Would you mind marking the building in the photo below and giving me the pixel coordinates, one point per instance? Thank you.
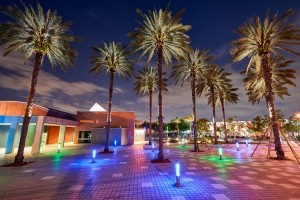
(50, 127)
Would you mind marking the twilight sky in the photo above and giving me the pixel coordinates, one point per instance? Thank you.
(213, 24)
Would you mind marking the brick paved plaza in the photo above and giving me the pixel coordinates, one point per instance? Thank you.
(129, 174)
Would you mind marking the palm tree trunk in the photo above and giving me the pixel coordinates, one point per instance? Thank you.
(37, 67)
(224, 120)
(214, 114)
(193, 87)
(160, 109)
(150, 117)
(270, 103)
(108, 120)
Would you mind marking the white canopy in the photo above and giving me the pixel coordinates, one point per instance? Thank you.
(97, 107)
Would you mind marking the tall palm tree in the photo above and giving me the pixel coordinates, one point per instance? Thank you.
(176, 120)
(147, 83)
(259, 40)
(255, 84)
(162, 34)
(224, 95)
(111, 59)
(193, 67)
(34, 32)
(213, 80)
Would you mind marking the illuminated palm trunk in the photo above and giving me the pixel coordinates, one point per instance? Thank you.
(150, 116)
(19, 158)
(265, 58)
(108, 120)
(224, 120)
(214, 113)
(160, 109)
(194, 127)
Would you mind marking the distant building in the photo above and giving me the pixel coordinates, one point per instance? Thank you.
(49, 127)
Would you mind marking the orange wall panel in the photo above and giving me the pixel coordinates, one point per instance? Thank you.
(53, 132)
(17, 108)
(69, 134)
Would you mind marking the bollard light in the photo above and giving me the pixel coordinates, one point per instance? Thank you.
(237, 146)
(221, 153)
(58, 148)
(94, 156)
(115, 142)
(177, 169)
(152, 146)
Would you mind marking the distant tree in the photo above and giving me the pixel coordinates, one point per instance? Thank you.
(184, 126)
(258, 125)
(202, 125)
(111, 59)
(291, 126)
(34, 32)
(176, 121)
(189, 119)
(231, 123)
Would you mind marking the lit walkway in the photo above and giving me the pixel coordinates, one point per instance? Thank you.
(129, 174)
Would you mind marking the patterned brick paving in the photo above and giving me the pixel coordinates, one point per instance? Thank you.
(128, 174)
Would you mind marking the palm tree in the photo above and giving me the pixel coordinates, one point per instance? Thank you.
(147, 83)
(255, 84)
(176, 120)
(192, 67)
(34, 32)
(162, 34)
(226, 94)
(213, 80)
(258, 41)
(111, 59)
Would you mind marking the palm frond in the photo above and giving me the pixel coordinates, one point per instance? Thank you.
(34, 31)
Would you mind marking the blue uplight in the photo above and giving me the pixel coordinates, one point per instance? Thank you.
(94, 153)
(177, 167)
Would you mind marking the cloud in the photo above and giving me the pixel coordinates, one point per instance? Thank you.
(51, 91)
(178, 102)
(71, 96)
(222, 51)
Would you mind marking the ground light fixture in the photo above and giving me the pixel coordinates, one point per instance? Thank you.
(58, 148)
(94, 156)
(177, 170)
(220, 153)
(152, 146)
(237, 146)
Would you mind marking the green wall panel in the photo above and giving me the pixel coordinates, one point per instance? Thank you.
(30, 135)
(4, 129)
